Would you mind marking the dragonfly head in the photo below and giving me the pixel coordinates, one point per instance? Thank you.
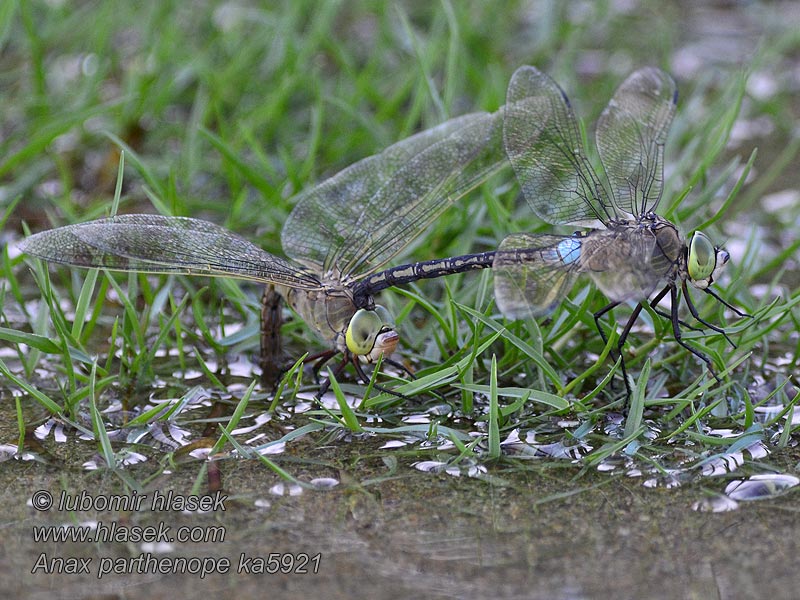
(705, 260)
(371, 333)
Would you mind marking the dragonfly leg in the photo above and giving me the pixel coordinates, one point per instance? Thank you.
(401, 366)
(696, 315)
(719, 299)
(597, 316)
(349, 358)
(319, 359)
(365, 379)
(337, 371)
(271, 343)
(654, 302)
(676, 330)
(623, 337)
(398, 365)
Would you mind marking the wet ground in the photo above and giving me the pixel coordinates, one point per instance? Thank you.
(385, 529)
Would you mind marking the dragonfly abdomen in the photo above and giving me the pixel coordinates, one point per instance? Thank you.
(567, 251)
(428, 269)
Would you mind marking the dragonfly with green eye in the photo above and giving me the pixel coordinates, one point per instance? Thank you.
(338, 236)
(628, 250)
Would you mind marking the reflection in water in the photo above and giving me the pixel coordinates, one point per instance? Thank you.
(728, 462)
(668, 480)
(756, 487)
(760, 487)
(9, 451)
(51, 426)
(571, 449)
(430, 466)
(258, 421)
(464, 467)
(271, 448)
(417, 419)
(286, 489)
(123, 458)
(715, 503)
(395, 444)
(324, 483)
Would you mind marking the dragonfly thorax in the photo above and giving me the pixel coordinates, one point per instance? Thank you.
(328, 311)
(630, 258)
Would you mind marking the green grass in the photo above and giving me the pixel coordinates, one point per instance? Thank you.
(225, 112)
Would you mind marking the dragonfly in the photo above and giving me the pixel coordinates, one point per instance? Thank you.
(338, 237)
(628, 250)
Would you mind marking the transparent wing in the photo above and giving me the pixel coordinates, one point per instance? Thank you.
(620, 261)
(544, 146)
(353, 223)
(631, 134)
(532, 273)
(158, 244)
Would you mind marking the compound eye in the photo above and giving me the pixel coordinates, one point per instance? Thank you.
(363, 329)
(702, 258)
(387, 320)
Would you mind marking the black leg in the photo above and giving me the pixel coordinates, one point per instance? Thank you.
(654, 303)
(362, 375)
(399, 365)
(621, 342)
(696, 315)
(365, 379)
(323, 357)
(407, 371)
(319, 359)
(676, 330)
(713, 294)
(337, 371)
(597, 316)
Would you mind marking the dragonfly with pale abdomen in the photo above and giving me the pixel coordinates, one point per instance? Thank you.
(338, 237)
(628, 250)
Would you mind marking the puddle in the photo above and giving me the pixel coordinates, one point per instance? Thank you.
(286, 489)
(760, 487)
(716, 503)
(465, 467)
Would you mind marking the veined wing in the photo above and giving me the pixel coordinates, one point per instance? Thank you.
(631, 134)
(159, 244)
(544, 146)
(621, 262)
(354, 223)
(533, 273)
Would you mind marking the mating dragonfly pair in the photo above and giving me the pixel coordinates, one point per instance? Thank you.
(344, 231)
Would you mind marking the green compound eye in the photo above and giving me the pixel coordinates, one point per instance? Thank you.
(702, 258)
(387, 321)
(363, 329)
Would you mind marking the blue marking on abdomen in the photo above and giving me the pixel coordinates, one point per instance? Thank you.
(569, 250)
